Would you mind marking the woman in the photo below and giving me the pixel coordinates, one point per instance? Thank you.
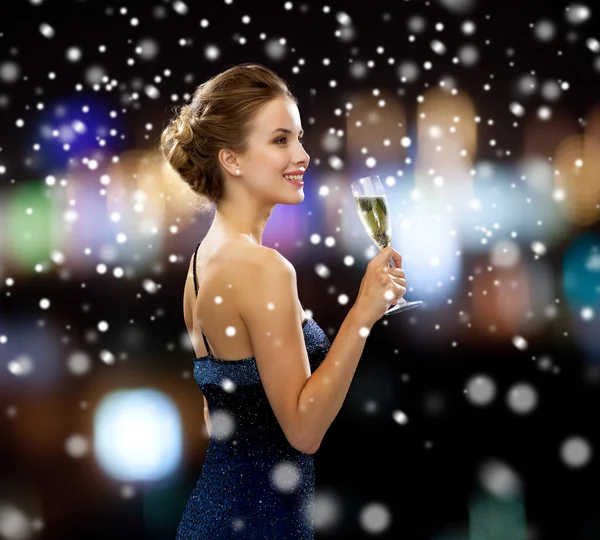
(266, 405)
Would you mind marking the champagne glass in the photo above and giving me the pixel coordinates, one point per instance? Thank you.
(371, 204)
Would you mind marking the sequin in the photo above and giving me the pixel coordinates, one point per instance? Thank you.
(253, 484)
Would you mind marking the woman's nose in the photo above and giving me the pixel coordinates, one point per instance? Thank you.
(303, 158)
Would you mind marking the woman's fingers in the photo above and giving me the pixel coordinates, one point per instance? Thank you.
(396, 272)
(397, 275)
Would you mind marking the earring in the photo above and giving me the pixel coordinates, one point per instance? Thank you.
(237, 172)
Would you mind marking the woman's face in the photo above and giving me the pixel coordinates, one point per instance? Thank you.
(275, 150)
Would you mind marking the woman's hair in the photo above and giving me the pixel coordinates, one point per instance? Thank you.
(219, 115)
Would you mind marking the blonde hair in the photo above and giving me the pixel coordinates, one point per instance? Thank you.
(219, 115)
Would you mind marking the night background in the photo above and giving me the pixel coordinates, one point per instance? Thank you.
(472, 417)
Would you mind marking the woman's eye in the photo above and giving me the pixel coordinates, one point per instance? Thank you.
(284, 139)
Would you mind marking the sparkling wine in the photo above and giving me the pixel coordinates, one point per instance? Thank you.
(373, 212)
(371, 203)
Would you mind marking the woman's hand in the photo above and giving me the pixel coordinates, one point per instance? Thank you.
(381, 287)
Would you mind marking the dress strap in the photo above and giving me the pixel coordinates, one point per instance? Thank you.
(194, 270)
(206, 345)
(196, 290)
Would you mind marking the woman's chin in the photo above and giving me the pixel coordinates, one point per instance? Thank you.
(298, 198)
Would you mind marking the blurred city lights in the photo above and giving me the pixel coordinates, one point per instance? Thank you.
(137, 435)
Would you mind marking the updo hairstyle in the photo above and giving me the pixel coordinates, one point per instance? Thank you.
(219, 115)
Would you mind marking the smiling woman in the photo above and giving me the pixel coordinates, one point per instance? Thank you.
(238, 144)
(205, 142)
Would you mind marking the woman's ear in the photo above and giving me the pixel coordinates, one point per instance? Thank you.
(228, 161)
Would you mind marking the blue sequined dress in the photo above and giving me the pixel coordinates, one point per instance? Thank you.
(254, 484)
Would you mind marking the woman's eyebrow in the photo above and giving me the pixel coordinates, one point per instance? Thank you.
(285, 130)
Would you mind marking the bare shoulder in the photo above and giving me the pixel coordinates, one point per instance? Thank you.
(254, 260)
(268, 279)
(248, 269)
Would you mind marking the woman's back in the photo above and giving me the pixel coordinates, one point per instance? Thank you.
(214, 309)
(254, 483)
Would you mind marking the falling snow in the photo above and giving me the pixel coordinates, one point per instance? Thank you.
(482, 124)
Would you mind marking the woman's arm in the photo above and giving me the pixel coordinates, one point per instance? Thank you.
(304, 404)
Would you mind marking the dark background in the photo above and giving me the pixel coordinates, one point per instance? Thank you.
(424, 472)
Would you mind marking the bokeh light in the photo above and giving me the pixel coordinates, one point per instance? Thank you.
(137, 435)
